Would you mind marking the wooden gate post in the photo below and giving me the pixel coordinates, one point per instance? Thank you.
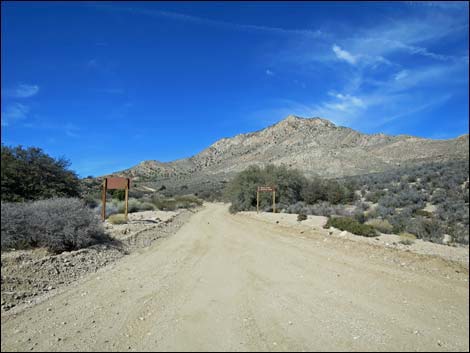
(115, 183)
(257, 201)
(127, 197)
(103, 201)
(274, 201)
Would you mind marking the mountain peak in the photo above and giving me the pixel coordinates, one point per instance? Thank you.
(314, 145)
(294, 119)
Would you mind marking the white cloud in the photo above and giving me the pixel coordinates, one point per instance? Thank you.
(414, 109)
(344, 55)
(401, 75)
(269, 72)
(398, 69)
(14, 112)
(22, 90)
(347, 99)
(210, 22)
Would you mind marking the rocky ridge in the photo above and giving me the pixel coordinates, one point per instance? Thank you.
(314, 145)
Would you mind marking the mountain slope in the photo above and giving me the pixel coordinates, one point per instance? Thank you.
(315, 146)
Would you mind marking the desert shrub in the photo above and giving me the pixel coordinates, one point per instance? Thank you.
(31, 174)
(374, 197)
(298, 207)
(301, 217)
(133, 206)
(438, 196)
(134, 193)
(118, 194)
(323, 208)
(361, 206)
(459, 233)
(338, 192)
(426, 229)
(58, 224)
(400, 220)
(288, 184)
(210, 195)
(359, 216)
(313, 191)
(90, 201)
(188, 201)
(147, 206)
(171, 204)
(383, 211)
(111, 208)
(241, 191)
(117, 219)
(163, 203)
(351, 225)
(382, 225)
(453, 211)
(407, 238)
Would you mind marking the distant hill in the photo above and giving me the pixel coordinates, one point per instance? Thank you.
(314, 145)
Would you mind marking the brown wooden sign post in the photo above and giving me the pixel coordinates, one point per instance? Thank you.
(112, 184)
(266, 189)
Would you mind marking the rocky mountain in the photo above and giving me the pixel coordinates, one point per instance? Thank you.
(313, 145)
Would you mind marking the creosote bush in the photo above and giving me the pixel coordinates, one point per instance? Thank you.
(59, 224)
(351, 225)
(301, 217)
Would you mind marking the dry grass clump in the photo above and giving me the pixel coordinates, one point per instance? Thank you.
(382, 225)
(117, 219)
(407, 238)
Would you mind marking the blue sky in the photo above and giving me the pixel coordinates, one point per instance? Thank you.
(110, 84)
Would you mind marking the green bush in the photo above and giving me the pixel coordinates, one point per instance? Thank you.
(360, 216)
(351, 225)
(118, 194)
(241, 191)
(313, 191)
(31, 174)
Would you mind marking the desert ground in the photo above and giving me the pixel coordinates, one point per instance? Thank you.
(257, 282)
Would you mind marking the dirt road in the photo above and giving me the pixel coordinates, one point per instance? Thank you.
(230, 282)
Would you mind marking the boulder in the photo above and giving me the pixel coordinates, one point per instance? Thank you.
(447, 239)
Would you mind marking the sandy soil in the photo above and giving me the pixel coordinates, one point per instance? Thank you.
(453, 253)
(233, 282)
(32, 276)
